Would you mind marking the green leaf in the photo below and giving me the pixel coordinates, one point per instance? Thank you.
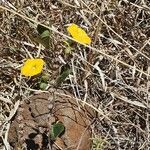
(62, 77)
(67, 50)
(43, 82)
(45, 34)
(57, 129)
(41, 29)
(44, 41)
(44, 78)
(43, 37)
(43, 85)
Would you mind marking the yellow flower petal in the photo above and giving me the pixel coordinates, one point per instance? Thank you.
(32, 67)
(79, 34)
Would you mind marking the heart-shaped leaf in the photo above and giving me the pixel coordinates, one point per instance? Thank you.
(43, 36)
(57, 129)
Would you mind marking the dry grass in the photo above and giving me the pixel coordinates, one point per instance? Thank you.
(112, 75)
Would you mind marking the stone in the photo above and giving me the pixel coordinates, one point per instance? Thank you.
(32, 123)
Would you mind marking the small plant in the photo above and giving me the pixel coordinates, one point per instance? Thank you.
(98, 143)
(43, 36)
(57, 129)
(61, 78)
(68, 48)
(43, 83)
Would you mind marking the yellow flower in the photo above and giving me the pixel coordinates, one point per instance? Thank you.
(79, 34)
(32, 67)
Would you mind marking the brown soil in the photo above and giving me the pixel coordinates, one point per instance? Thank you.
(32, 123)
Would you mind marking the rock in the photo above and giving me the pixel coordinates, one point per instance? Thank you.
(76, 123)
(35, 116)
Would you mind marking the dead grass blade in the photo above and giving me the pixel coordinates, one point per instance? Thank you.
(114, 31)
(125, 99)
(6, 100)
(56, 31)
(14, 110)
